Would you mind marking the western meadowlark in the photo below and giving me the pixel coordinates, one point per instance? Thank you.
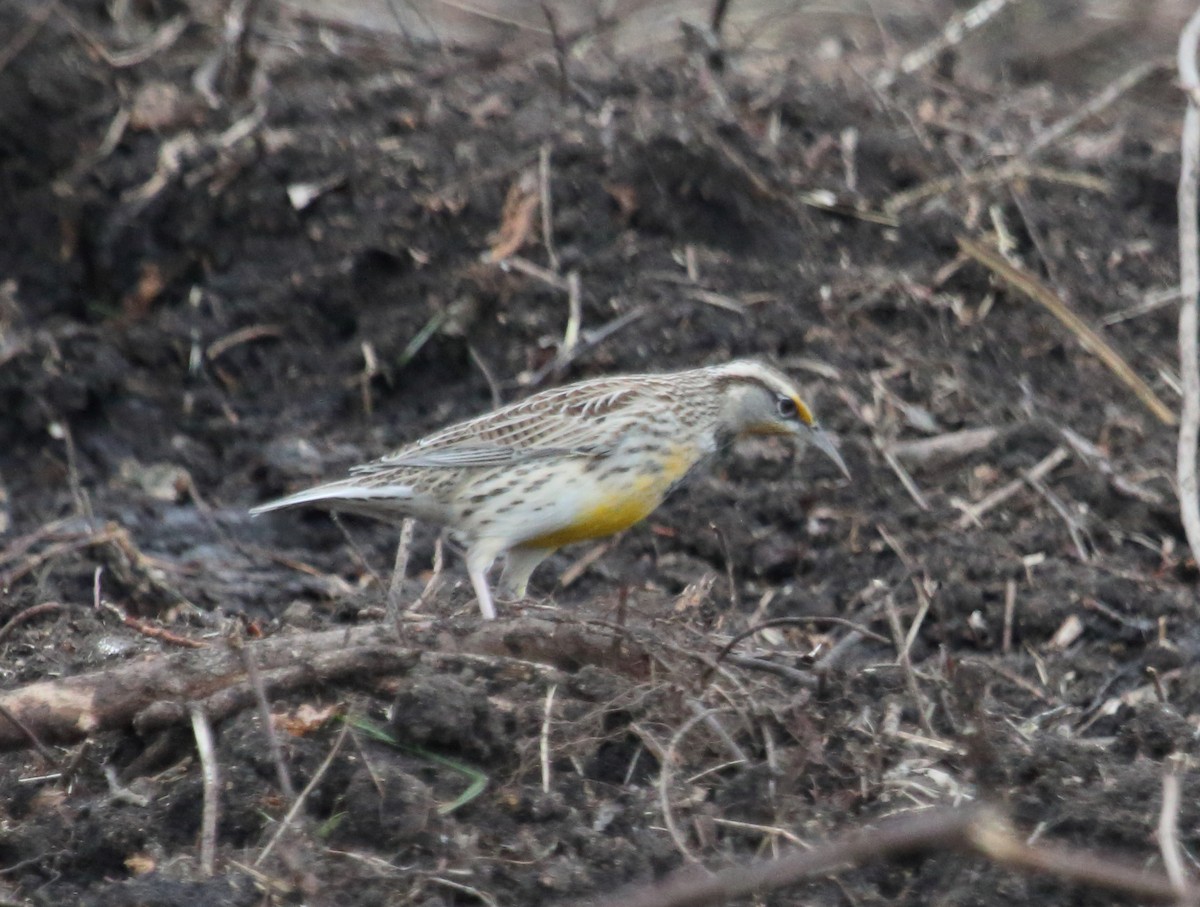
(578, 462)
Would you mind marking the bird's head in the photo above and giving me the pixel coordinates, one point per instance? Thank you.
(758, 400)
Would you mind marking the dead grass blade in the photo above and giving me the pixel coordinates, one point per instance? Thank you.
(1022, 280)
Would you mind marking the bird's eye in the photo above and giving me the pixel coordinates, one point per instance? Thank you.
(786, 407)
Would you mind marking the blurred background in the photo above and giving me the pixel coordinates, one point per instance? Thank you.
(1079, 42)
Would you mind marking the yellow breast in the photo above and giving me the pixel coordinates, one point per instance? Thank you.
(618, 504)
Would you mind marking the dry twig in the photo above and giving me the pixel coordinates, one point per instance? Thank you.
(945, 447)
(300, 800)
(1105, 97)
(665, 774)
(958, 27)
(903, 475)
(1004, 173)
(859, 629)
(1168, 837)
(972, 512)
(27, 33)
(264, 716)
(28, 614)
(1022, 280)
(1010, 610)
(973, 829)
(210, 771)
(544, 740)
(435, 578)
(395, 592)
(920, 703)
(1189, 286)
(544, 191)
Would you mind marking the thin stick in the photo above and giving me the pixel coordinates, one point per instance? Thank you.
(465, 889)
(665, 772)
(902, 658)
(958, 27)
(735, 603)
(1151, 302)
(1044, 466)
(772, 830)
(27, 33)
(1073, 528)
(585, 560)
(588, 339)
(574, 319)
(20, 725)
(28, 614)
(493, 385)
(934, 829)
(1022, 280)
(252, 332)
(370, 370)
(994, 839)
(1168, 836)
(902, 474)
(1013, 170)
(264, 715)
(83, 504)
(973, 829)
(395, 591)
(1110, 93)
(800, 620)
(798, 677)
(1189, 287)
(920, 588)
(1018, 681)
(435, 579)
(544, 176)
(544, 742)
(1010, 608)
(954, 445)
(210, 771)
(710, 718)
(308, 788)
(536, 271)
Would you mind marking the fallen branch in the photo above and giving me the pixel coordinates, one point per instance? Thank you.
(973, 829)
(158, 689)
(944, 448)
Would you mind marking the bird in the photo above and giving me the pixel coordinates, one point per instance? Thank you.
(578, 462)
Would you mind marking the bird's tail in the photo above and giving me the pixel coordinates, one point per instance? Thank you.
(351, 496)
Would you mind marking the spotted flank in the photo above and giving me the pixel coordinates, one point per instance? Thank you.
(579, 462)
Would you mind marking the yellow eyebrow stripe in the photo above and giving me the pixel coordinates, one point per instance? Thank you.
(803, 411)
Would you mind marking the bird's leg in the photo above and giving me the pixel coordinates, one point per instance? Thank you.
(479, 561)
(482, 592)
(518, 565)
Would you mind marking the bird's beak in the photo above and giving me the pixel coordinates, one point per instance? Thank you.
(823, 442)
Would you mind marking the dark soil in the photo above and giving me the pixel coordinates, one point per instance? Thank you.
(204, 307)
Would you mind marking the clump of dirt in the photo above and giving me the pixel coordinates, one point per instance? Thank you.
(211, 297)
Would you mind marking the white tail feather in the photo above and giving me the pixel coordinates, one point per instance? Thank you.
(345, 494)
